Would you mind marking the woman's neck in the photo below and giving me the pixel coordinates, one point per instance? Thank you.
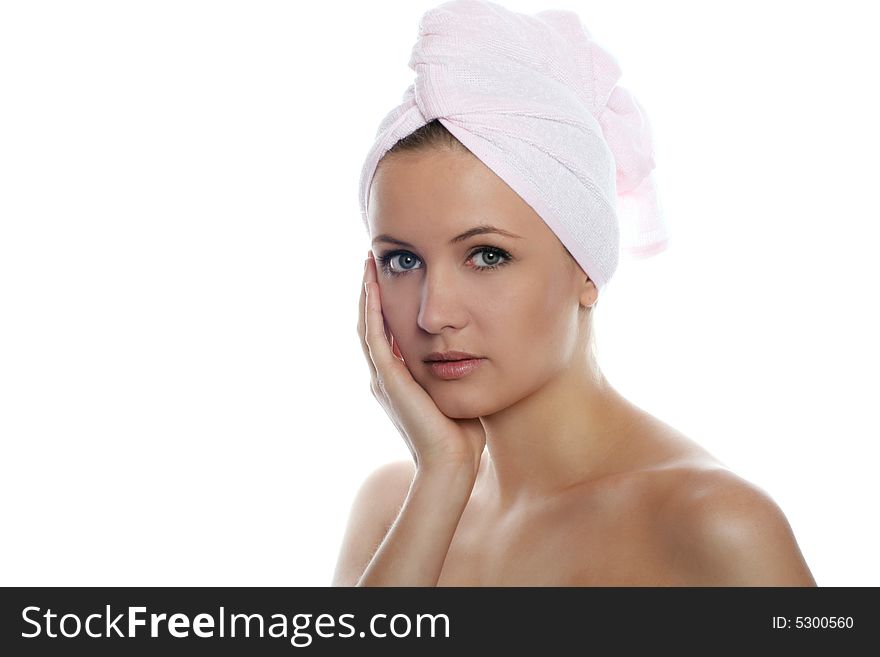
(567, 432)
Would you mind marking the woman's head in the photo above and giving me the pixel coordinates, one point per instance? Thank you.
(515, 297)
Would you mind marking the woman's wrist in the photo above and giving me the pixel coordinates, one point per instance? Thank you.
(452, 473)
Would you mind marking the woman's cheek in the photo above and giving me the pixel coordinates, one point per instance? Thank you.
(397, 327)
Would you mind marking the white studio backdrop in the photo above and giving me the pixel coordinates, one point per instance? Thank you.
(183, 398)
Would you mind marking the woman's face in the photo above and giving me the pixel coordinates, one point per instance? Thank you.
(512, 299)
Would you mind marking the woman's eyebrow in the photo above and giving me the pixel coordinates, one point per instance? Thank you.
(478, 230)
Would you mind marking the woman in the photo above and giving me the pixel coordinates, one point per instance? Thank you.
(528, 467)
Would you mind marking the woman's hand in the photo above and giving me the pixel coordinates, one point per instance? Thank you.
(434, 439)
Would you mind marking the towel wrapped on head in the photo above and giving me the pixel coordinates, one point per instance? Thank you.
(536, 99)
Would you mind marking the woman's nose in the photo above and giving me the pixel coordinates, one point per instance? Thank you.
(441, 304)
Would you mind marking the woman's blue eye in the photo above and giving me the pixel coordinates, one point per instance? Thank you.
(489, 256)
(407, 261)
(397, 263)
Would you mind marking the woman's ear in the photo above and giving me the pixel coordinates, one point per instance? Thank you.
(589, 293)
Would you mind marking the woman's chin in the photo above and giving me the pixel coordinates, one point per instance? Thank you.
(460, 405)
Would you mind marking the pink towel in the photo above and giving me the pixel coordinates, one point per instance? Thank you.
(536, 100)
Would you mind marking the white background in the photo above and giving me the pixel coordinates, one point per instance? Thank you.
(183, 398)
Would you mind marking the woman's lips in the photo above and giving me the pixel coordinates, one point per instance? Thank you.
(454, 369)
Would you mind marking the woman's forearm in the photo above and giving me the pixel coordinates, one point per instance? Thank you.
(415, 547)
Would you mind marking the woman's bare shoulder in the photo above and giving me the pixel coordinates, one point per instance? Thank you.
(727, 531)
(383, 492)
(690, 487)
(376, 505)
(719, 529)
(394, 474)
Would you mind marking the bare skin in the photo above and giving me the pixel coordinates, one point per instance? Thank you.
(533, 470)
(640, 527)
(621, 529)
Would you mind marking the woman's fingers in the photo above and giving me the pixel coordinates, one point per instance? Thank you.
(362, 324)
(375, 338)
